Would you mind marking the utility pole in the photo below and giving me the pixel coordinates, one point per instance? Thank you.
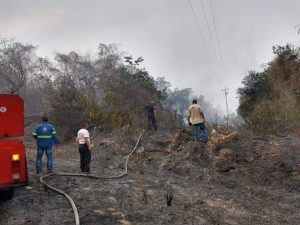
(225, 91)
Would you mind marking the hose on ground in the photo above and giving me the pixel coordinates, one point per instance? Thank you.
(72, 203)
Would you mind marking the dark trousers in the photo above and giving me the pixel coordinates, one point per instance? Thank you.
(85, 158)
(151, 119)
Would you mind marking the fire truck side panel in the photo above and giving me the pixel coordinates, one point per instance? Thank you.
(11, 116)
(13, 169)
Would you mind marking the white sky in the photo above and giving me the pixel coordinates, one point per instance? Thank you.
(164, 33)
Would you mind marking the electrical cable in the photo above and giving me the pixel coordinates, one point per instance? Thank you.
(217, 34)
(199, 29)
(209, 30)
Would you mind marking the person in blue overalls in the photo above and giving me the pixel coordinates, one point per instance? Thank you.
(151, 114)
(46, 136)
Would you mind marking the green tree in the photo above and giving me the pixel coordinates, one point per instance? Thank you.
(256, 86)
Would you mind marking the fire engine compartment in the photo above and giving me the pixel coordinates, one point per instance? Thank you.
(13, 171)
(11, 116)
(12, 153)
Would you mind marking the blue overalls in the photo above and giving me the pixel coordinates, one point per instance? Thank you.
(46, 136)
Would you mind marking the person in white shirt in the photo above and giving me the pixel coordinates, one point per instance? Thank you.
(197, 119)
(85, 148)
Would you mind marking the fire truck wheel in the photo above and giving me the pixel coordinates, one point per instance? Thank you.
(7, 194)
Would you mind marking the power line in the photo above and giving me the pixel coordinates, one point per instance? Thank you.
(199, 29)
(209, 30)
(219, 45)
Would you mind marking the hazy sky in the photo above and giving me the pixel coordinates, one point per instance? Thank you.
(164, 33)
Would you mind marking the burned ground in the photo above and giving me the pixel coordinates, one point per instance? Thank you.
(233, 179)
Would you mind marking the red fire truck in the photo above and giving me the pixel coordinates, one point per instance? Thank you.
(13, 167)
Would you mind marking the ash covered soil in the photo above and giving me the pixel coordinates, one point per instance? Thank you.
(233, 179)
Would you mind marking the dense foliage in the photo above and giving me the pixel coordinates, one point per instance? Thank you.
(109, 90)
(270, 100)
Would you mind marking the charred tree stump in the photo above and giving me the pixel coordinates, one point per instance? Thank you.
(169, 193)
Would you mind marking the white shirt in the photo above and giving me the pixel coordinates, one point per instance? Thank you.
(82, 133)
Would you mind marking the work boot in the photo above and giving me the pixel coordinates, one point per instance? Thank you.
(38, 175)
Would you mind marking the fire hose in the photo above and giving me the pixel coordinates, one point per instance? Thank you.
(75, 211)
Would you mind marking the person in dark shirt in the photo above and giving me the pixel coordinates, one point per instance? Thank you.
(151, 115)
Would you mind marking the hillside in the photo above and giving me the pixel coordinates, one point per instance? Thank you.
(270, 100)
(233, 179)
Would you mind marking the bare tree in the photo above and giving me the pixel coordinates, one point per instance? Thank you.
(17, 63)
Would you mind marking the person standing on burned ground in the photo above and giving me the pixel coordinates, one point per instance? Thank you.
(46, 137)
(85, 148)
(151, 115)
(197, 119)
